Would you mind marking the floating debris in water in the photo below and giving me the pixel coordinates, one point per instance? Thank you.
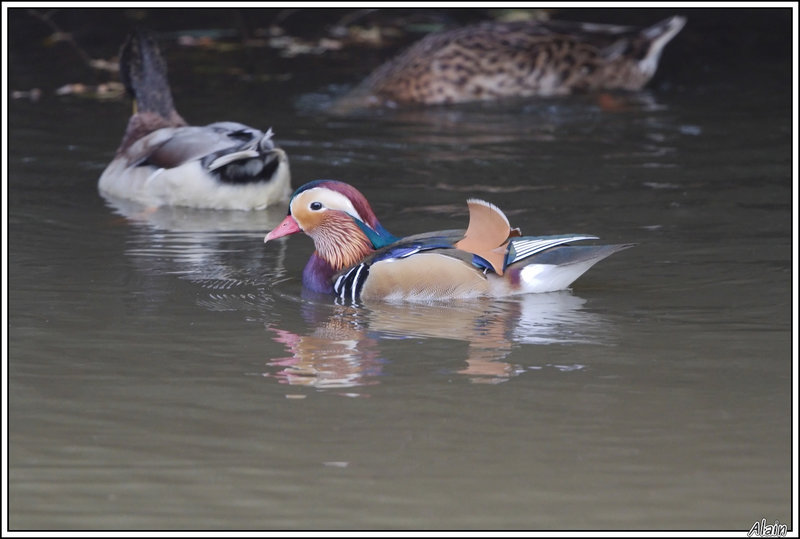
(661, 185)
(107, 90)
(567, 368)
(561, 368)
(691, 130)
(105, 65)
(34, 94)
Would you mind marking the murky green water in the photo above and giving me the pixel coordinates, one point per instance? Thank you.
(166, 370)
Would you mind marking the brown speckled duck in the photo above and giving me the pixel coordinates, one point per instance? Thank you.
(163, 161)
(356, 258)
(517, 59)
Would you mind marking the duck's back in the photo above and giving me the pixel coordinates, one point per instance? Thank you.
(519, 59)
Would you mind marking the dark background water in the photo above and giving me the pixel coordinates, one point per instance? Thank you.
(165, 370)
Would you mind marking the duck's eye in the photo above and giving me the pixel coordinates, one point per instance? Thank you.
(315, 206)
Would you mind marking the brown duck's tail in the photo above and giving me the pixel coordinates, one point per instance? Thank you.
(144, 74)
(658, 35)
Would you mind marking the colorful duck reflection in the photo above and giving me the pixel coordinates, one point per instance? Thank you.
(343, 348)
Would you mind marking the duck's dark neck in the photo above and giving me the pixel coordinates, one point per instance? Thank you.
(143, 123)
(318, 275)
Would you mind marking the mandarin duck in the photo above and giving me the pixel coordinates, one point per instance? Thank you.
(163, 161)
(356, 258)
(516, 59)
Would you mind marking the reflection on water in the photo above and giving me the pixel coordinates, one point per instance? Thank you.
(220, 251)
(337, 353)
(180, 219)
(626, 130)
(343, 346)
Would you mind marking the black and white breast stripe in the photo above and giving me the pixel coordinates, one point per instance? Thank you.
(349, 284)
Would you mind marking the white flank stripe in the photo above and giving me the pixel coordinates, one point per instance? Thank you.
(355, 283)
(338, 283)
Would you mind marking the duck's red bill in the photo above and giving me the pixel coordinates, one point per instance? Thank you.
(288, 226)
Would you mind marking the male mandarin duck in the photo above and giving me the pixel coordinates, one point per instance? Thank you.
(356, 258)
(517, 59)
(164, 161)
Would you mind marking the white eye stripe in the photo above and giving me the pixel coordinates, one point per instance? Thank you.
(329, 199)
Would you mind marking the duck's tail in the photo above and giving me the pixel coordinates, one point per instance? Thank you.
(557, 268)
(658, 35)
(144, 74)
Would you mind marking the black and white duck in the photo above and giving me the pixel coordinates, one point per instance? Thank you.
(164, 161)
